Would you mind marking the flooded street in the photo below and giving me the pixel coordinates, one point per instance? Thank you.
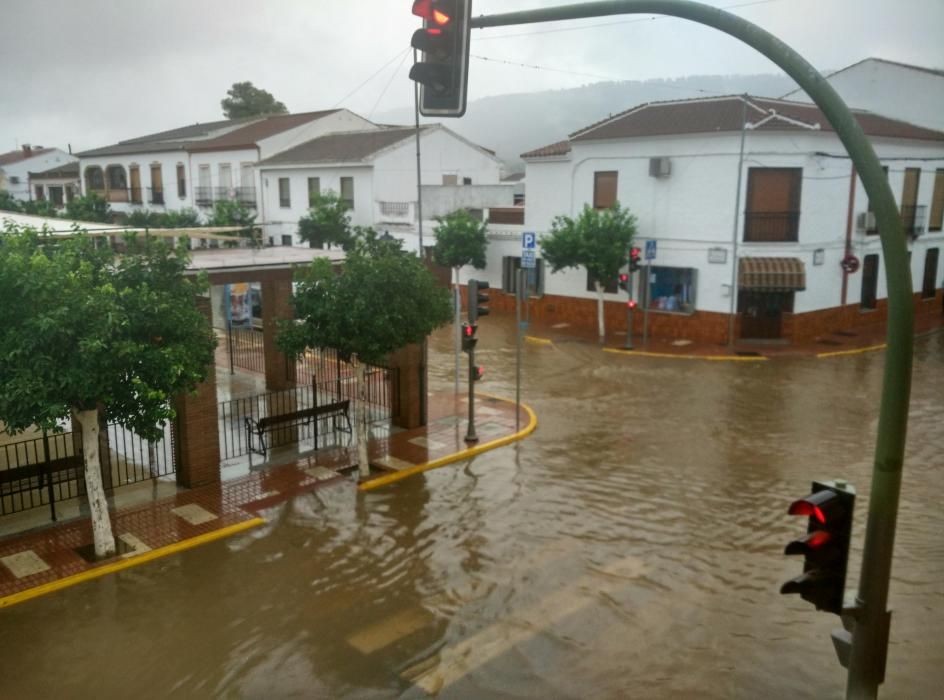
(631, 547)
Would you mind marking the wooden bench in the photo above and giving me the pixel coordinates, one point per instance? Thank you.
(305, 416)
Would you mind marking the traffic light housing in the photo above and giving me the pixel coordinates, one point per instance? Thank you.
(443, 69)
(468, 337)
(477, 298)
(624, 281)
(825, 547)
(635, 259)
(478, 373)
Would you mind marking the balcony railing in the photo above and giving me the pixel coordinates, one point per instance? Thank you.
(203, 196)
(156, 196)
(135, 194)
(913, 219)
(780, 226)
(399, 210)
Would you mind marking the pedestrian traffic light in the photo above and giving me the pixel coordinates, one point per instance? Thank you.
(443, 68)
(825, 547)
(631, 304)
(624, 281)
(477, 373)
(477, 297)
(635, 259)
(468, 337)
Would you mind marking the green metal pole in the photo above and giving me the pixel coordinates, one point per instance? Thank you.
(870, 636)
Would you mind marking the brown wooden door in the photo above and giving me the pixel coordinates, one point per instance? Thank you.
(762, 313)
(135, 175)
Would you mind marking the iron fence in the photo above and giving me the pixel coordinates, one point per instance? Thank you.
(135, 459)
(40, 471)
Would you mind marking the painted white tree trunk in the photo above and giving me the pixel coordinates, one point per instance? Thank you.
(600, 327)
(101, 524)
(360, 416)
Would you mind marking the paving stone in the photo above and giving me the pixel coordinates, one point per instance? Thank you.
(427, 443)
(394, 463)
(321, 473)
(26, 563)
(390, 630)
(194, 514)
(137, 546)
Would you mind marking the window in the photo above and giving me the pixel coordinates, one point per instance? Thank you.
(869, 282)
(467, 181)
(285, 194)
(40, 193)
(117, 179)
(203, 195)
(134, 172)
(157, 184)
(937, 202)
(609, 286)
(604, 189)
(55, 195)
(874, 230)
(671, 289)
(347, 191)
(773, 204)
(314, 190)
(70, 193)
(226, 176)
(94, 179)
(450, 179)
(909, 200)
(287, 240)
(181, 181)
(929, 287)
(535, 282)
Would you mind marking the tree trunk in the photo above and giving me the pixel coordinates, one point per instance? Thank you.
(101, 524)
(360, 416)
(600, 327)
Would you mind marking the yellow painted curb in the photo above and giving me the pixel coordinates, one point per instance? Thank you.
(672, 356)
(856, 351)
(539, 341)
(115, 566)
(456, 456)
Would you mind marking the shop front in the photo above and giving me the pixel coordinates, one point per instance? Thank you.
(766, 288)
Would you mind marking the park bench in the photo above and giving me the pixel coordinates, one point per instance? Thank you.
(304, 416)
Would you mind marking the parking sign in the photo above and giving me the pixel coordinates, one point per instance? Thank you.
(528, 240)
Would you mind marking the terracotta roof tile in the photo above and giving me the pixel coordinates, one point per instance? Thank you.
(345, 146)
(12, 157)
(560, 148)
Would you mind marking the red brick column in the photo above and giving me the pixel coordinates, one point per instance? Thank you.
(276, 305)
(197, 431)
(409, 386)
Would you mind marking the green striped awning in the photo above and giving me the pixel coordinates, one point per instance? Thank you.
(771, 274)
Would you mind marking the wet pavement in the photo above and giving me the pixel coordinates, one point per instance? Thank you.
(631, 547)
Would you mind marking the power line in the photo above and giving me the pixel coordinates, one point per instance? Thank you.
(387, 86)
(400, 54)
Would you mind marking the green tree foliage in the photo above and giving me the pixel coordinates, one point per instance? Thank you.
(246, 100)
(40, 207)
(145, 218)
(598, 239)
(380, 300)
(8, 202)
(328, 223)
(91, 207)
(460, 240)
(230, 212)
(92, 329)
(181, 218)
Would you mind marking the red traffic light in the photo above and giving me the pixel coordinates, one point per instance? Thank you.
(624, 277)
(426, 10)
(479, 372)
(808, 509)
(631, 304)
(634, 253)
(468, 330)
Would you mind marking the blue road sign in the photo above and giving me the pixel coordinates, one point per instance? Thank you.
(527, 259)
(650, 250)
(528, 240)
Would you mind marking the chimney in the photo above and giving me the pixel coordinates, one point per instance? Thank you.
(27, 149)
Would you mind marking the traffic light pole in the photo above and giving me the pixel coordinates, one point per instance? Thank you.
(628, 344)
(870, 633)
(470, 435)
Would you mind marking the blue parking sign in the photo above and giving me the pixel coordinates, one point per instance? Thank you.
(650, 250)
(528, 240)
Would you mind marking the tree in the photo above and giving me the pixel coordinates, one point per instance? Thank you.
(91, 207)
(598, 239)
(460, 241)
(8, 202)
(91, 330)
(328, 222)
(229, 212)
(380, 300)
(246, 100)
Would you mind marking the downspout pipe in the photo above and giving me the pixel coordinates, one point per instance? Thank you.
(848, 247)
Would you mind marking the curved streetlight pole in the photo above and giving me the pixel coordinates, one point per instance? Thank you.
(870, 636)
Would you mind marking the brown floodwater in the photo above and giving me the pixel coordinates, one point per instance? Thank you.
(630, 548)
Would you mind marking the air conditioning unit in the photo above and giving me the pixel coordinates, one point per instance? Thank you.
(660, 167)
(865, 221)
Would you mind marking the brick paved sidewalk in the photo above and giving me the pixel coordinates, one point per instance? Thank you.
(42, 561)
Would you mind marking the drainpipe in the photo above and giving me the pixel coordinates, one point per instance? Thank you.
(848, 249)
(737, 214)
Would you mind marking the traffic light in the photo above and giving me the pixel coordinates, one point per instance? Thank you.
(443, 68)
(468, 337)
(635, 259)
(825, 547)
(631, 304)
(477, 373)
(476, 297)
(624, 281)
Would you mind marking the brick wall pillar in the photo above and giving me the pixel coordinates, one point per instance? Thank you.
(409, 387)
(276, 305)
(197, 432)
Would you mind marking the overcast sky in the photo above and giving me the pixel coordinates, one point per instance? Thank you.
(91, 72)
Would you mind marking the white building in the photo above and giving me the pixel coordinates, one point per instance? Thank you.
(770, 251)
(15, 168)
(195, 166)
(57, 185)
(375, 172)
(912, 94)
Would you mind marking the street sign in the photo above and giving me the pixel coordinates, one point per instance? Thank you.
(528, 260)
(650, 250)
(528, 240)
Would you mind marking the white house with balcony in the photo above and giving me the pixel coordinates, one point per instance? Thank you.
(374, 171)
(197, 165)
(775, 239)
(16, 166)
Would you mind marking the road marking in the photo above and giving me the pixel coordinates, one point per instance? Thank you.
(539, 341)
(459, 660)
(856, 351)
(390, 630)
(673, 356)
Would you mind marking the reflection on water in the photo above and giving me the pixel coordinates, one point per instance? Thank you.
(632, 547)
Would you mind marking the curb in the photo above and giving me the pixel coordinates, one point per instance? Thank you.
(673, 356)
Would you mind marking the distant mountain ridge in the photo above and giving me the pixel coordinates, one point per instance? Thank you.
(514, 124)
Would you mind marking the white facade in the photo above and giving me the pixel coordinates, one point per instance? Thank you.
(696, 214)
(384, 186)
(910, 93)
(15, 176)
